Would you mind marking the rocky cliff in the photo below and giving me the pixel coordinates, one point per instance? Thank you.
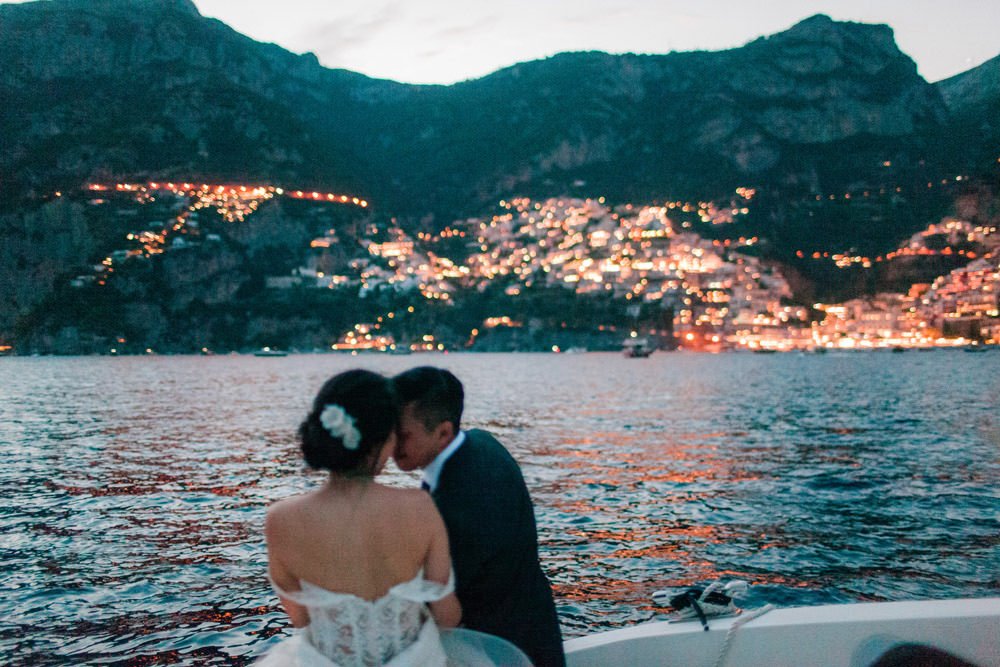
(132, 89)
(973, 99)
(974, 88)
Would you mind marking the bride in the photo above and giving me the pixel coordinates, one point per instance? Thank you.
(362, 569)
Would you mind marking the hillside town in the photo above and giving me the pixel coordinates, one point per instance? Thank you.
(686, 291)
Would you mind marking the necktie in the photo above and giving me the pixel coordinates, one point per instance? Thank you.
(425, 486)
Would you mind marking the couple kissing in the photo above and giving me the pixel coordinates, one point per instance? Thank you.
(379, 575)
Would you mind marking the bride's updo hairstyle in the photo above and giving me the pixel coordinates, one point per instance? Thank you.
(352, 416)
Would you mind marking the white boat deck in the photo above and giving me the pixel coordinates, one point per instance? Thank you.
(848, 635)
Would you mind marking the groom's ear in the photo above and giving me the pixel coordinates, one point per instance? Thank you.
(443, 434)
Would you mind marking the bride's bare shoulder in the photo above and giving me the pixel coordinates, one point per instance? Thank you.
(284, 509)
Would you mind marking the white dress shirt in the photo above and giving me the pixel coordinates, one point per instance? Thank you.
(433, 470)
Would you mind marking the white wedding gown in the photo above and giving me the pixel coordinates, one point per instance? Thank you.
(395, 630)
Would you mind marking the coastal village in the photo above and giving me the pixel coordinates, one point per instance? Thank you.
(684, 290)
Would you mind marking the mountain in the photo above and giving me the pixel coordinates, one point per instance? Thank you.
(973, 100)
(977, 87)
(139, 88)
(846, 148)
(700, 120)
(115, 89)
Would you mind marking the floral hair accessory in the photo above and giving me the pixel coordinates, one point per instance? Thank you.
(339, 424)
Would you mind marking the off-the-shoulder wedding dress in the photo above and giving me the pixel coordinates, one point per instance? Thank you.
(396, 630)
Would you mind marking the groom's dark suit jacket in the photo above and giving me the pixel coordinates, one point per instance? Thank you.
(494, 548)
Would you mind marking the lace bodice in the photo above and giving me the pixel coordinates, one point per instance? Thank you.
(349, 630)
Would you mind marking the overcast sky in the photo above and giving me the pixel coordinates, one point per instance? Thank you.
(443, 41)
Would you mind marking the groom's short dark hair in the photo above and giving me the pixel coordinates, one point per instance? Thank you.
(437, 394)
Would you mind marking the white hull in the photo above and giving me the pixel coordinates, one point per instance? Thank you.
(848, 635)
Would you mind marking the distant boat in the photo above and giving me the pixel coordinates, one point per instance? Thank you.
(899, 348)
(637, 348)
(270, 352)
(764, 350)
(975, 348)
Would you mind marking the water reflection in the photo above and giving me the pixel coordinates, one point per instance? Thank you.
(136, 487)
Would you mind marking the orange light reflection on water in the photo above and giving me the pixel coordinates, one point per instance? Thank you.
(664, 489)
(627, 462)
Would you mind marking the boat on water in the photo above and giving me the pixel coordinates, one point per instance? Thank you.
(270, 352)
(848, 635)
(637, 348)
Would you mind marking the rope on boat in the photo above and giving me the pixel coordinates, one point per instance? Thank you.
(727, 643)
(703, 604)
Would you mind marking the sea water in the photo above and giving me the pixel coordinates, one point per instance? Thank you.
(134, 488)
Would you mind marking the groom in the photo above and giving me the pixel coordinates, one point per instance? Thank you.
(479, 490)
